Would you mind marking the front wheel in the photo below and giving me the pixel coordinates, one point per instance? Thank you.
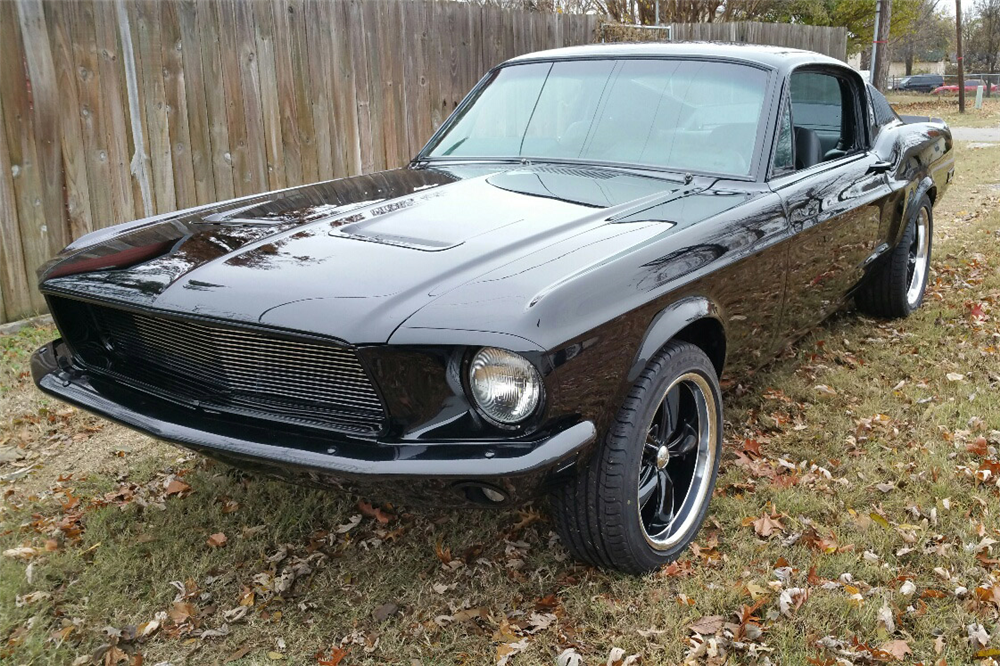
(896, 288)
(644, 494)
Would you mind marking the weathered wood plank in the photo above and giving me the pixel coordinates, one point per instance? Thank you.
(359, 64)
(250, 82)
(233, 89)
(24, 169)
(146, 40)
(95, 141)
(45, 110)
(176, 106)
(371, 12)
(217, 101)
(15, 284)
(344, 89)
(270, 111)
(199, 129)
(287, 90)
(319, 63)
(78, 210)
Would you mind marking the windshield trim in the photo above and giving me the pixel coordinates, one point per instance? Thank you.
(764, 134)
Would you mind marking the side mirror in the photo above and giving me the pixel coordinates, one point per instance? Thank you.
(879, 167)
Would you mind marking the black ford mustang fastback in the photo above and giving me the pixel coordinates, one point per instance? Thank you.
(542, 302)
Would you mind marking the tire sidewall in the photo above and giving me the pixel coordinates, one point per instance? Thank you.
(691, 360)
(904, 248)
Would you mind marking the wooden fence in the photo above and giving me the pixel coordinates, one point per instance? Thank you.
(112, 110)
(821, 39)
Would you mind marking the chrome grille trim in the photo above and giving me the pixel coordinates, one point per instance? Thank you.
(226, 369)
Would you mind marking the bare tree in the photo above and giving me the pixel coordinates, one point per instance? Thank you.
(927, 36)
(981, 35)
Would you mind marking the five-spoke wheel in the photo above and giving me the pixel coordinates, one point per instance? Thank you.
(644, 495)
(676, 455)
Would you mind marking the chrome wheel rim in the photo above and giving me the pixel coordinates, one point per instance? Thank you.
(678, 458)
(917, 259)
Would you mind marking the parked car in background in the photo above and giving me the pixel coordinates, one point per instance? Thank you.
(919, 83)
(542, 303)
(970, 86)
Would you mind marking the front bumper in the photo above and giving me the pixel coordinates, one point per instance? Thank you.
(432, 472)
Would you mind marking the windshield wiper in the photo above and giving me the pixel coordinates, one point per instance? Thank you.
(455, 146)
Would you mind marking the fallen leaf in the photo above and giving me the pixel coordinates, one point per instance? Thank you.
(766, 525)
(569, 657)
(505, 651)
(897, 648)
(954, 377)
(336, 656)
(217, 540)
(887, 620)
(707, 625)
(181, 611)
(275, 656)
(374, 512)
(792, 599)
(22, 553)
(238, 654)
(176, 487)
(616, 657)
(351, 523)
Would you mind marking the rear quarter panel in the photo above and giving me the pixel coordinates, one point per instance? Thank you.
(924, 160)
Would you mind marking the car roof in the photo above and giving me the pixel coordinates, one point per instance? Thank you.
(775, 57)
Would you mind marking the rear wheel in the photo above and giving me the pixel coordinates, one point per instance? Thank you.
(645, 493)
(896, 287)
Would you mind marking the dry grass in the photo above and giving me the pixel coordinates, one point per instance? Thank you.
(862, 442)
(946, 108)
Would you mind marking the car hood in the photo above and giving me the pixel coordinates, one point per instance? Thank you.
(355, 258)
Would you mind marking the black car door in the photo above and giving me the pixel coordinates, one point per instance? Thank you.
(833, 191)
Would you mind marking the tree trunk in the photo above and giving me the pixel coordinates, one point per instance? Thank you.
(882, 55)
(909, 62)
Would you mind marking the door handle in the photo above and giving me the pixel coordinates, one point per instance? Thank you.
(880, 166)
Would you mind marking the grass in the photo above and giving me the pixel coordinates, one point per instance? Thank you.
(946, 108)
(862, 442)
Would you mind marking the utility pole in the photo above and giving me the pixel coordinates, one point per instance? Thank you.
(871, 65)
(880, 50)
(961, 65)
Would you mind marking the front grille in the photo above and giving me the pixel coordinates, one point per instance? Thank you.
(225, 369)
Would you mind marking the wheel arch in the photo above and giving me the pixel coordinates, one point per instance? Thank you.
(695, 320)
(925, 187)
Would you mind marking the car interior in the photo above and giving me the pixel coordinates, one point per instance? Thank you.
(822, 110)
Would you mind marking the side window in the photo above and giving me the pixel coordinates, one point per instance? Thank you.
(882, 112)
(824, 127)
(783, 158)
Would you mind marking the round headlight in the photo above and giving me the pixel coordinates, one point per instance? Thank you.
(505, 386)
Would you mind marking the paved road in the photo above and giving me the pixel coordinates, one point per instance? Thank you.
(976, 133)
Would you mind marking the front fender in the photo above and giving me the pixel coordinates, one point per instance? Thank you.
(667, 324)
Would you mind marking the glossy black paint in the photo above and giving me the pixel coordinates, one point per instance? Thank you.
(585, 269)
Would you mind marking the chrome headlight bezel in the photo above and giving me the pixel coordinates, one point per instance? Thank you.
(530, 395)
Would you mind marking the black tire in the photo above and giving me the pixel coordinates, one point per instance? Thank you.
(889, 291)
(597, 514)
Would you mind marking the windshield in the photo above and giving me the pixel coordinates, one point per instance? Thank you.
(682, 115)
